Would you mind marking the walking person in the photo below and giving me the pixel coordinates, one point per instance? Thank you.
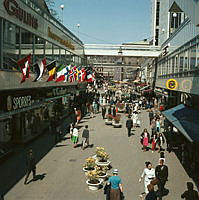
(160, 142)
(103, 112)
(75, 136)
(158, 125)
(190, 193)
(151, 115)
(31, 166)
(161, 173)
(116, 186)
(114, 111)
(85, 137)
(145, 137)
(135, 119)
(152, 194)
(154, 142)
(148, 175)
(129, 125)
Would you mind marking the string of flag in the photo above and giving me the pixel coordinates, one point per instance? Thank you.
(60, 73)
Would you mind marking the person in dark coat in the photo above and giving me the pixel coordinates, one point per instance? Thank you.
(129, 125)
(109, 111)
(161, 173)
(152, 194)
(103, 112)
(114, 112)
(190, 194)
(151, 115)
(31, 166)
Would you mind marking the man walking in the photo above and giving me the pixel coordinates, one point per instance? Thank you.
(129, 125)
(161, 173)
(103, 112)
(85, 137)
(31, 166)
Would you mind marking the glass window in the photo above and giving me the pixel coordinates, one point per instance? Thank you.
(197, 54)
(10, 45)
(176, 64)
(39, 48)
(181, 62)
(49, 51)
(186, 61)
(192, 55)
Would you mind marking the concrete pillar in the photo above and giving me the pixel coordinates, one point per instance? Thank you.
(1, 43)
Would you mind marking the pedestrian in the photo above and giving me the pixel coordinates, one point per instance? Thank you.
(31, 166)
(158, 125)
(103, 112)
(71, 130)
(161, 173)
(152, 194)
(75, 136)
(116, 186)
(151, 115)
(114, 111)
(148, 175)
(145, 137)
(129, 125)
(110, 111)
(135, 119)
(85, 137)
(190, 194)
(153, 142)
(160, 142)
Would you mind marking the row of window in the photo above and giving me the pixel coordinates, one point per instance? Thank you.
(18, 42)
(186, 60)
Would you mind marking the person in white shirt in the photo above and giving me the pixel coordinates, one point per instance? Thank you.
(75, 136)
(148, 175)
(134, 118)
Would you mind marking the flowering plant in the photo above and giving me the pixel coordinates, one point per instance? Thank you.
(121, 105)
(109, 116)
(117, 118)
(90, 163)
(93, 176)
(101, 170)
(101, 154)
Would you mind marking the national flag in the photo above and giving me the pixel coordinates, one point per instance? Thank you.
(67, 73)
(51, 70)
(40, 68)
(89, 77)
(24, 64)
(82, 75)
(61, 73)
(78, 73)
(73, 74)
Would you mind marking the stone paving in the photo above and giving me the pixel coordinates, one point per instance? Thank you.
(62, 177)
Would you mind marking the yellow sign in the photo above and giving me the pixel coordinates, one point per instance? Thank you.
(171, 84)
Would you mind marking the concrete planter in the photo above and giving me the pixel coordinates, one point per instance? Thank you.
(95, 186)
(108, 122)
(107, 163)
(117, 125)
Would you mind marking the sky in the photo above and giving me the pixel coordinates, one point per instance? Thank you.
(107, 21)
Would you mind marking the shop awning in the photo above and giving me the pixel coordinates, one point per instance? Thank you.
(147, 91)
(186, 120)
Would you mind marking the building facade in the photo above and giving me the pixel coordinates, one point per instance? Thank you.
(27, 27)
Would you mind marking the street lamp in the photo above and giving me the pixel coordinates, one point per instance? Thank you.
(62, 8)
(120, 53)
(78, 25)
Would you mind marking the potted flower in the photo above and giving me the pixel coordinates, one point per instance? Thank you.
(116, 121)
(102, 158)
(90, 164)
(93, 180)
(121, 107)
(109, 118)
(102, 172)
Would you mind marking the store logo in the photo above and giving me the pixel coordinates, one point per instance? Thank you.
(171, 84)
(13, 8)
(9, 103)
(186, 85)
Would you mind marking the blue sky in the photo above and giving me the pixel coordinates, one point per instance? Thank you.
(110, 21)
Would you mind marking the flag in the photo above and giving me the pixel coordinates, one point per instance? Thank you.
(67, 73)
(24, 64)
(73, 74)
(82, 75)
(89, 77)
(40, 68)
(78, 73)
(61, 73)
(51, 70)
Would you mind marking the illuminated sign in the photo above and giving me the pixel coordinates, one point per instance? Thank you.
(171, 84)
(13, 8)
(60, 40)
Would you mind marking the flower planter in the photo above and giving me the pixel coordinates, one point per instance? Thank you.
(94, 186)
(117, 125)
(103, 177)
(87, 170)
(108, 122)
(121, 110)
(100, 163)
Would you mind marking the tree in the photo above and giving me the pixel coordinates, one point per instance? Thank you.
(51, 6)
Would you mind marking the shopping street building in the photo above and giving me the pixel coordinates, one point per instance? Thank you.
(27, 27)
(176, 71)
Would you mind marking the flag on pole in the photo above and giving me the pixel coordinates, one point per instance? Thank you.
(24, 65)
(51, 70)
(82, 75)
(61, 73)
(67, 73)
(40, 68)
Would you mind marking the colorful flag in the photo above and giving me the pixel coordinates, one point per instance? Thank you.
(40, 68)
(82, 75)
(61, 73)
(89, 77)
(51, 70)
(24, 64)
(67, 73)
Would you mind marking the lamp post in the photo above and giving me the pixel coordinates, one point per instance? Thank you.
(62, 8)
(78, 25)
(120, 53)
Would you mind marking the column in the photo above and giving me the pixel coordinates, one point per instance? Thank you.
(1, 43)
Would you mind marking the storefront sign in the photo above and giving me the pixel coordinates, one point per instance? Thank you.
(171, 84)
(22, 102)
(13, 8)
(59, 91)
(60, 40)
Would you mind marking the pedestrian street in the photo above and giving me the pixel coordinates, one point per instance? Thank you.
(65, 180)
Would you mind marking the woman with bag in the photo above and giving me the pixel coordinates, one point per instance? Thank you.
(148, 175)
(154, 141)
(145, 137)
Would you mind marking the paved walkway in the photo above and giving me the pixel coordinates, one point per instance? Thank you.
(62, 178)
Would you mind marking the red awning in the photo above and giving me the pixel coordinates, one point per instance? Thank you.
(142, 84)
(147, 91)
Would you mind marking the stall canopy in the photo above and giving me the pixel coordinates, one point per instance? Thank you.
(186, 120)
